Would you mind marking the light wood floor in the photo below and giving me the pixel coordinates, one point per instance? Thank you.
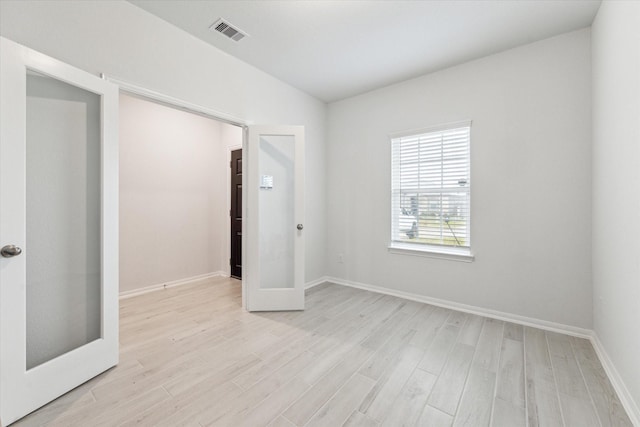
(191, 356)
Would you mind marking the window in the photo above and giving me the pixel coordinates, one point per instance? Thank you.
(430, 200)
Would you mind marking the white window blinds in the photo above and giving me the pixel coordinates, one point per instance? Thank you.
(431, 188)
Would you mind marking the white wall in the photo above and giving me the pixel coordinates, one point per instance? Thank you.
(173, 208)
(123, 41)
(531, 192)
(616, 187)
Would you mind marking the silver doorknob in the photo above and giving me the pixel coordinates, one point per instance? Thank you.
(300, 227)
(10, 251)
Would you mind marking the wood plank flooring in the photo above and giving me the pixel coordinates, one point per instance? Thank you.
(190, 356)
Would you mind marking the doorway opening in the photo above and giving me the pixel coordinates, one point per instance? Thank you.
(273, 237)
(174, 197)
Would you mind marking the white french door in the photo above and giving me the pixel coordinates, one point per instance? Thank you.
(58, 228)
(273, 239)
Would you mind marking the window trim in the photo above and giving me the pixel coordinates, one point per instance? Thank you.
(432, 251)
(453, 253)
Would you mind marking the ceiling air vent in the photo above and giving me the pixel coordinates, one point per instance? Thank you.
(224, 27)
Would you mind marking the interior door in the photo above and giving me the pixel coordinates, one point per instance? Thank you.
(58, 228)
(273, 244)
(235, 213)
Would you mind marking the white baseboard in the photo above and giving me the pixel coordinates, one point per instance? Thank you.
(633, 411)
(172, 284)
(316, 282)
(152, 288)
(480, 311)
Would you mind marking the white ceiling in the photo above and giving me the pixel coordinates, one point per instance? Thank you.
(336, 49)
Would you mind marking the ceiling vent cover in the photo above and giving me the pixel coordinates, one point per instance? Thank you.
(226, 28)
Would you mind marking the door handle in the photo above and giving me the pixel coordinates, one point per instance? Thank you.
(10, 251)
(300, 227)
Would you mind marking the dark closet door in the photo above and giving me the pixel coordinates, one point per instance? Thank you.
(236, 214)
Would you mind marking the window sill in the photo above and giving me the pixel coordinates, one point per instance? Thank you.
(452, 254)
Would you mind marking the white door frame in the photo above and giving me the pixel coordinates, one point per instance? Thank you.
(177, 103)
(180, 104)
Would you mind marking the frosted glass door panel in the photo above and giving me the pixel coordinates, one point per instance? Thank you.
(277, 221)
(63, 167)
